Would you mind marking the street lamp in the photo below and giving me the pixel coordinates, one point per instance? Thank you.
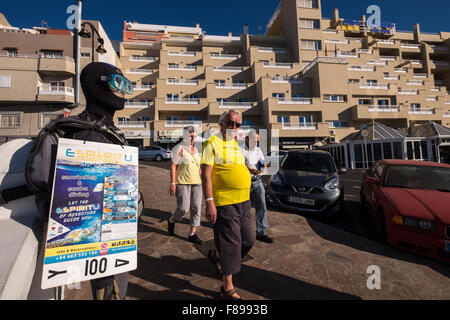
(84, 33)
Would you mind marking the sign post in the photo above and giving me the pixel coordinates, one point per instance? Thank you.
(92, 227)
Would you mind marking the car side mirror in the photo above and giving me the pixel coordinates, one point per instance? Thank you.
(370, 180)
(342, 171)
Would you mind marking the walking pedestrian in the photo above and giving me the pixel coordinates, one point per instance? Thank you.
(185, 183)
(254, 160)
(226, 187)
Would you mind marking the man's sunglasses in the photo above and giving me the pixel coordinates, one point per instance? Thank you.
(232, 124)
(119, 83)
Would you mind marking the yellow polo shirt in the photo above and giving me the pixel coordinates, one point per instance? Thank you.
(230, 177)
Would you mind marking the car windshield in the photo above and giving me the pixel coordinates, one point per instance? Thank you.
(418, 177)
(312, 162)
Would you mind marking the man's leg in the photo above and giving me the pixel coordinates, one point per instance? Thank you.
(259, 202)
(247, 229)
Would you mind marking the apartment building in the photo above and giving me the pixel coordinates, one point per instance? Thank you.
(309, 80)
(38, 76)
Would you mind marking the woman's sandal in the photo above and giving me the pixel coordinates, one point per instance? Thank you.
(212, 256)
(228, 295)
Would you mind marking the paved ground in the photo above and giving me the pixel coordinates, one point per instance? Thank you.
(310, 259)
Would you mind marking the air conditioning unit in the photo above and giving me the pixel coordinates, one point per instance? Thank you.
(332, 132)
(332, 140)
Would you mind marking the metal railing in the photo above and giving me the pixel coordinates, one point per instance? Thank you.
(235, 104)
(386, 108)
(36, 56)
(182, 123)
(183, 101)
(187, 67)
(182, 82)
(231, 86)
(295, 100)
(317, 60)
(48, 89)
(182, 53)
(272, 49)
(402, 91)
(278, 65)
(299, 126)
(421, 111)
(140, 71)
(143, 58)
(141, 105)
(131, 124)
(374, 86)
(227, 68)
(224, 56)
(286, 80)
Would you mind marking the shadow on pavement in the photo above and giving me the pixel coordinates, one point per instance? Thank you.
(370, 245)
(162, 165)
(267, 284)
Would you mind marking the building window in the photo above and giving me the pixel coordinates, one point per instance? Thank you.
(415, 106)
(85, 55)
(52, 53)
(172, 97)
(283, 119)
(304, 119)
(311, 45)
(309, 24)
(11, 52)
(353, 80)
(310, 4)
(365, 101)
(46, 118)
(279, 96)
(5, 81)
(10, 120)
(335, 98)
(247, 123)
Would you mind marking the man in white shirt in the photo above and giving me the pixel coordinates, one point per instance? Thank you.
(254, 160)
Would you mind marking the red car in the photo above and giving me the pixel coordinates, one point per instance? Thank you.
(409, 202)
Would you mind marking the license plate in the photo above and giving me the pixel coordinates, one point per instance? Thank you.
(298, 200)
(447, 246)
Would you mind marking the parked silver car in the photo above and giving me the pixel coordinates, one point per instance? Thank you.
(154, 153)
(307, 181)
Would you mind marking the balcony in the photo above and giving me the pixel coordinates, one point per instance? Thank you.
(446, 114)
(131, 124)
(278, 65)
(182, 123)
(377, 63)
(137, 105)
(365, 51)
(235, 105)
(440, 64)
(142, 59)
(295, 101)
(272, 49)
(408, 92)
(347, 54)
(143, 87)
(410, 46)
(232, 86)
(292, 80)
(185, 68)
(228, 69)
(183, 101)
(361, 68)
(182, 53)
(182, 82)
(420, 75)
(439, 49)
(312, 129)
(386, 42)
(337, 41)
(224, 56)
(421, 111)
(372, 86)
(373, 112)
(414, 83)
(48, 93)
(55, 64)
(390, 77)
(139, 71)
(387, 58)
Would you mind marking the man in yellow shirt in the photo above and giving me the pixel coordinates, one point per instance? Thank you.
(226, 187)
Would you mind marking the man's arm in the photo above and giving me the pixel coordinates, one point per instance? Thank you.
(211, 211)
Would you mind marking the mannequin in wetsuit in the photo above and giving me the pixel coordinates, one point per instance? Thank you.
(102, 101)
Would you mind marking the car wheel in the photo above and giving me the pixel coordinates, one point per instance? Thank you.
(159, 158)
(381, 228)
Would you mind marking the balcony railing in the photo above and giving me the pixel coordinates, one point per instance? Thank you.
(389, 77)
(182, 123)
(361, 68)
(440, 48)
(36, 56)
(143, 58)
(441, 63)
(137, 105)
(182, 53)
(387, 58)
(446, 114)
(286, 80)
(271, 49)
(143, 87)
(414, 83)
(373, 108)
(278, 65)
(228, 69)
(333, 60)
(390, 42)
(421, 111)
(299, 126)
(410, 45)
(374, 86)
(338, 41)
(403, 91)
(55, 90)
(183, 101)
(231, 86)
(224, 56)
(186, 82)
(189, 68)
(131, 124)
(347, 54)
(365, 51)
(376, 63)
(295, 100)
(235, 104)
(140, 71)
(420, 75)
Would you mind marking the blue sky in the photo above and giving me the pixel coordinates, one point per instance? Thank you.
(218, 17)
